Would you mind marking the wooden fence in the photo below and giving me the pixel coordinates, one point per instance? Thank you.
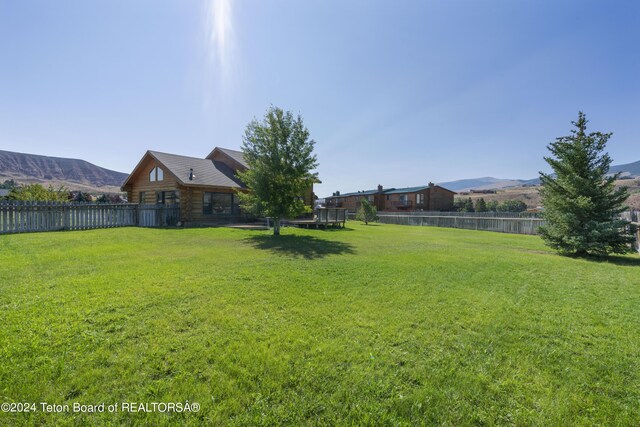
(503, 224)
(24, 217)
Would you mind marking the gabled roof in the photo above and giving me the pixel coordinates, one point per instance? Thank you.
(206, 172)
(237, 156)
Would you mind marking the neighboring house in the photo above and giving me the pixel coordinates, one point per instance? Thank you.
(4, 192)
(205, 189)
(429, 197)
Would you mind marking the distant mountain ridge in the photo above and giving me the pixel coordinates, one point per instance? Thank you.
(73, 173)
(490, 183)
(630, 169)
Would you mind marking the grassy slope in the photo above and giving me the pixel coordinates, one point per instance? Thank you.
(531, 195)
(370, 325)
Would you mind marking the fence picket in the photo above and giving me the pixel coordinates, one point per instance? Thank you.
(505, 222)
(20, 217)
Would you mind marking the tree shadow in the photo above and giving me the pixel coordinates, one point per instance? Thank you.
(308, 247)
(627, 261)
(335, 229)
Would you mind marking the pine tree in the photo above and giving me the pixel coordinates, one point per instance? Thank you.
(481, 205)
(581, 204)
(468, 205)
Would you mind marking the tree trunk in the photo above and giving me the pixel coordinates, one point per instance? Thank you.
(276, 226)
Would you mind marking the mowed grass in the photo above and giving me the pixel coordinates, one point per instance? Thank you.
(372, 325)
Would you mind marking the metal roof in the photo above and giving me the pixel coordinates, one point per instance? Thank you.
(389, 191)
(206, 172)
(406, 190)
(359, 193)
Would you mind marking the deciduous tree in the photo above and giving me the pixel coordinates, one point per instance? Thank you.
(37, 193)
(280, 157)
(367, 212)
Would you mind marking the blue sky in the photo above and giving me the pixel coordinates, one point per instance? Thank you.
(397, 93)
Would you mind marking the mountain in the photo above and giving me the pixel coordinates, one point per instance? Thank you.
(486, 183)
(72, 173)
(631, 170)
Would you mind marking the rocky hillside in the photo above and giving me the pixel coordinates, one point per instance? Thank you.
(73, 173)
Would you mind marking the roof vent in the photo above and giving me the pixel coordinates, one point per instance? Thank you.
(191, 175)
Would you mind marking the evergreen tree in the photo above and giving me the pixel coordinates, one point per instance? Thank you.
(458, 205)
(8, 184)
(468, 205)
(80, 197)
(280, 158)
(481, 205)
(581, 204)
(366, 212)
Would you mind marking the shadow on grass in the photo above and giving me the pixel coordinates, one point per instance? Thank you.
(308, 247)
(335, 229)
(627, 261)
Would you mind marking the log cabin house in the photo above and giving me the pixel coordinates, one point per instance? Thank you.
(429, 197)
(204, 189)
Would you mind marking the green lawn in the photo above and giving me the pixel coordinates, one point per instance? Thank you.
(372, 325)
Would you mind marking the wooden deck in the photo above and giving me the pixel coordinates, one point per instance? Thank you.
(324, 217)
(312, 223)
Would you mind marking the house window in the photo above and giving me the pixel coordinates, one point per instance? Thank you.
(156, 174)
(420, 199)
(168, 197)
(175, 197)
(403, 199)
(219, 204)
(370, 199)
(141, 198)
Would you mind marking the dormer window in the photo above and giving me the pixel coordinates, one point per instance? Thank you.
(156, 174)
